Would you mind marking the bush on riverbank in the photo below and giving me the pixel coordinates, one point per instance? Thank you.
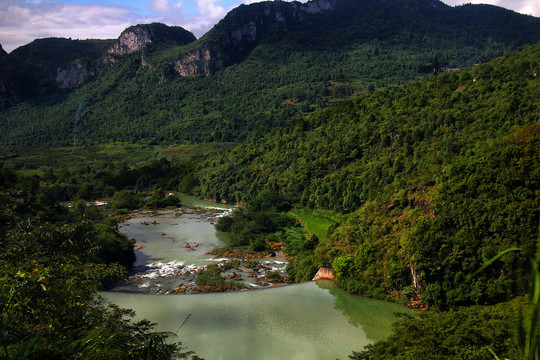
(210, 280)
(254, 225)
(468, 333)
(161, 200)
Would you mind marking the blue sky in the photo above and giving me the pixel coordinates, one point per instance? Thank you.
(22, 21)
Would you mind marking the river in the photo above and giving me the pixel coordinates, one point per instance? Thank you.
(314, 320)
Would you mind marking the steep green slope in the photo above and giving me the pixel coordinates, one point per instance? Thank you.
(437, 183)
(267, 65)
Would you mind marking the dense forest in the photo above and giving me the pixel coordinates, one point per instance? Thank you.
(411, 166)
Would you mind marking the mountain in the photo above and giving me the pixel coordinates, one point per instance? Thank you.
(32, 69)
(47, 65)
(264, 65)
(334, 24)
(2, 51)
(136, 37)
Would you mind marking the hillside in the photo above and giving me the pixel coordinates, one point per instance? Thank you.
(31, 70)
(265, 65)
(436, 182)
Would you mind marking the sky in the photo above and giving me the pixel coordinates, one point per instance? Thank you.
(22, 21)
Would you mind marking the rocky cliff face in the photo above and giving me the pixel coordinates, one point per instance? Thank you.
(72, 76)
(198, 62)
(136, 37)
(241, 29)
(130, 40)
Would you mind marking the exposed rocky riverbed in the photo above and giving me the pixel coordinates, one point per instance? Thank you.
(174, 246)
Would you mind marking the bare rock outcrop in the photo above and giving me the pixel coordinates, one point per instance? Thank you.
(198, 62)
(72, 76)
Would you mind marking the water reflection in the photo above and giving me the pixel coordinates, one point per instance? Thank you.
(373, 316)
(305, 321)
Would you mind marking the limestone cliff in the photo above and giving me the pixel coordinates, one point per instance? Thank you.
(136, 37)
(198, 62)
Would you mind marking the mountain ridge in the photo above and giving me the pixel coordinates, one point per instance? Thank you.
(264, 65)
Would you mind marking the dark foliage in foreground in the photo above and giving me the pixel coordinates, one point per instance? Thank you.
(53, 262)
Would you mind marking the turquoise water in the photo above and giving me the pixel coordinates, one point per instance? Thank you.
(314, 320)
(299, 322)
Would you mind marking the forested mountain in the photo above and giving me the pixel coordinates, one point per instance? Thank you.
(48, 65)
(31, 70)
(436, 182)
(264, 65)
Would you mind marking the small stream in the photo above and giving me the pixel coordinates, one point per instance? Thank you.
(314, 320)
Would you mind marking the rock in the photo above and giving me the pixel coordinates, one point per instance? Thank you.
(324, 273)
(136, 37)
(72, 76)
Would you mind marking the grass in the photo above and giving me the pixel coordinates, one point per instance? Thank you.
(35, 159)
(317, 221)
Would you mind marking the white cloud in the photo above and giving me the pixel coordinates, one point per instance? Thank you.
(20, 25)
(209, 13)
(251, 1)
(529, 7)
(160, 5)
(210, 8)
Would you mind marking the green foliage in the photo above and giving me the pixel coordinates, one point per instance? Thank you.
(52, 264)
(468, 333)
(210, 277)
(126, 199)
(529, 347)
(160, 200)
(250, 226)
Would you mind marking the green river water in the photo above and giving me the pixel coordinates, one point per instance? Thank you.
(314, 320)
